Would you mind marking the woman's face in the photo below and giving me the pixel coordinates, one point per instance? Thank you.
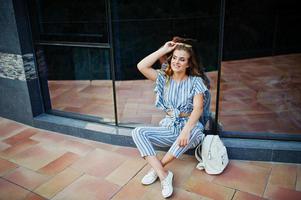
(179, 61)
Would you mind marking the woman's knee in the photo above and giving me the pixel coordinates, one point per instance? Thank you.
(137, 132)
(196, 137)
(196, 131)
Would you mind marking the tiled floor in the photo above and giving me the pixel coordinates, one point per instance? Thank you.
(36, 165)
(262, 94)
(257, 95)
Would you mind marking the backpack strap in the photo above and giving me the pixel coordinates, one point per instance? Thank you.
(206, 108)
(198, 153)
(206, 105)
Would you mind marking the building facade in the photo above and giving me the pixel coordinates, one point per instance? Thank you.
(70, 66)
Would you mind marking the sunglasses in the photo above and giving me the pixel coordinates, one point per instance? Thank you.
(183, 44)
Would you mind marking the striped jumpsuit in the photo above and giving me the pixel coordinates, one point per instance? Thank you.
(178, 98)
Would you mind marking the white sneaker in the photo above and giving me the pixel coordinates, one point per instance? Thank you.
(166, 185)
(150, 177)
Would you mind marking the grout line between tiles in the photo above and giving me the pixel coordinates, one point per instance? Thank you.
(127, 182)
(296, 180)
(233, 194)
(30, 191)
(268, 181)
(68, 185)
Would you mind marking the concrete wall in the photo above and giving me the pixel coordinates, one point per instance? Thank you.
(20, 95)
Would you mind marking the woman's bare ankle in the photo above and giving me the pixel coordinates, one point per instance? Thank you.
(163, 175)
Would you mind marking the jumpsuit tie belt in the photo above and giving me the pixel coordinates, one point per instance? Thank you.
(173, 119)
(182, 114)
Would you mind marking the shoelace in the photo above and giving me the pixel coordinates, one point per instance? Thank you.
(164, 183)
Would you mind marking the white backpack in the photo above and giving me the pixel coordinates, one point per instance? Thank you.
(212, 155)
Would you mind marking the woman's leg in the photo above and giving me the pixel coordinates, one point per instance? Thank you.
(196, 137)
(157, 166)
(145, 138)
(168, 157)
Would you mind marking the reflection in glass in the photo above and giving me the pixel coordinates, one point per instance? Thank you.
(262, 94)
(79, 80)
(74, 21)
(137, 34)
(260, 81)
(136, 101)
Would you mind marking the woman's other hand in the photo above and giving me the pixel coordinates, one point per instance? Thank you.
(183, 138)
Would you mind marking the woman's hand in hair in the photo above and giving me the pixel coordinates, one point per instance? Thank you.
(168, 46)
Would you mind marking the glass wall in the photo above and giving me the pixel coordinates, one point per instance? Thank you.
(72, 21)
(73, 56)
(87, 52)
(261, 71)
(141, 27)
(79, 80)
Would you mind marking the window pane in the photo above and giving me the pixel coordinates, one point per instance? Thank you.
(260, 82)
(79, 80)
(65, 20)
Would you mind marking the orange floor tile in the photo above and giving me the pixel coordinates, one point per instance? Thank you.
(57, 166)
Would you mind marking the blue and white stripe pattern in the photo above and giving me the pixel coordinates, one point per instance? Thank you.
(176, 97)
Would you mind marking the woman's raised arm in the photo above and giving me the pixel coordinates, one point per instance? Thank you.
(145, 65)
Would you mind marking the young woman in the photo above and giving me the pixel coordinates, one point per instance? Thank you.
(179, 92)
